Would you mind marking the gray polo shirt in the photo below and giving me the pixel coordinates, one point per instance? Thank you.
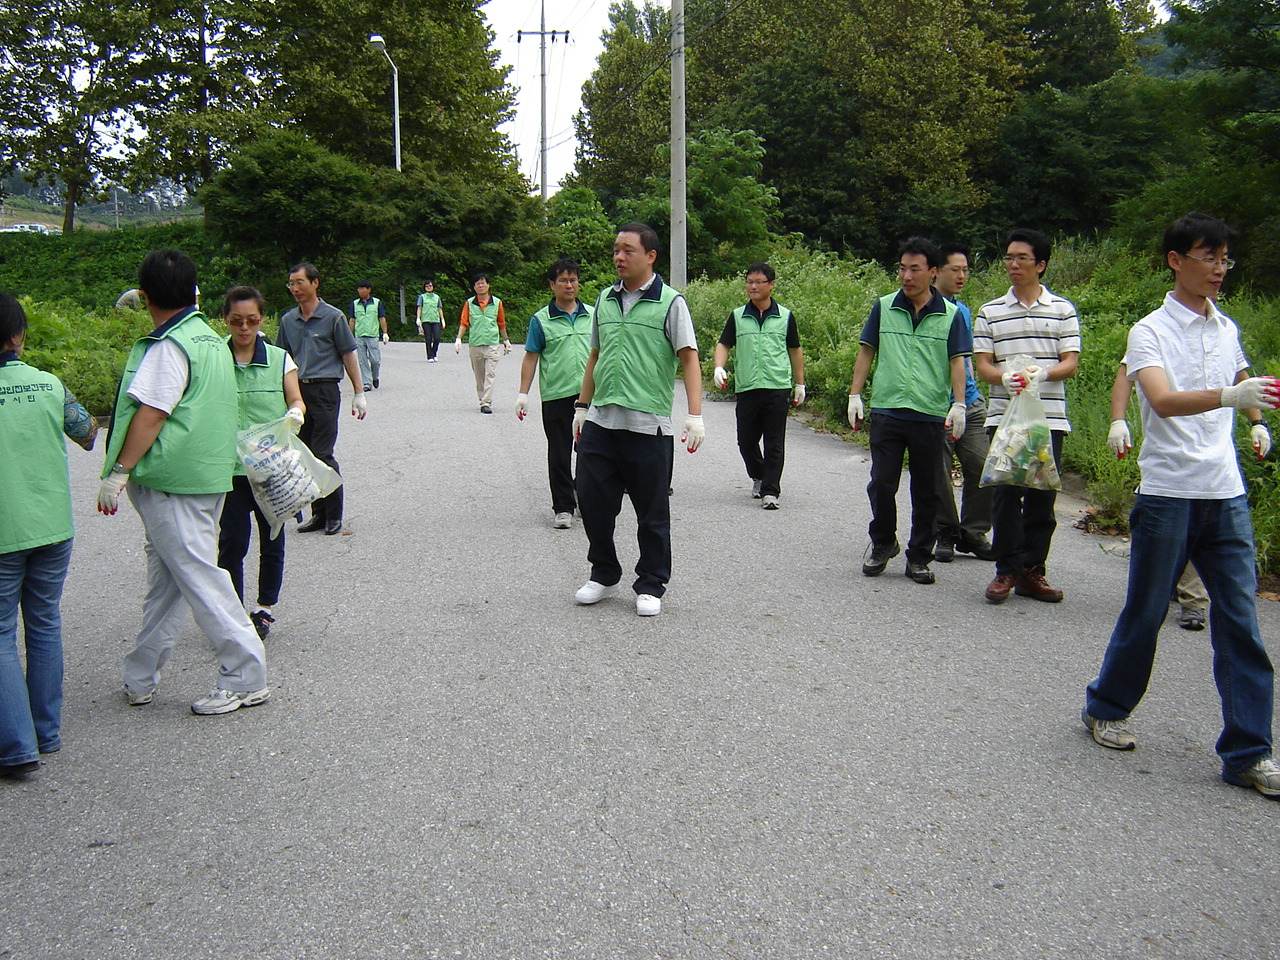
(317, 344)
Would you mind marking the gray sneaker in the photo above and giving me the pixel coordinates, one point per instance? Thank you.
(1113, 734)
(878, 557)
(139, 699)
(755, 489)
(1263, 776)
(563, 521)
(919, 572)
(770, 502)
(224, 701)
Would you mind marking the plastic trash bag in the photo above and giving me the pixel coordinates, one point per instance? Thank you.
(1021, 452)
(283, 474)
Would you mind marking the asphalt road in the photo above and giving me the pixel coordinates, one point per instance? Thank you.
(791, 761)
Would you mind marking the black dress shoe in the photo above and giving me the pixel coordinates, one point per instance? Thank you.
(333, 528)
(315, 523)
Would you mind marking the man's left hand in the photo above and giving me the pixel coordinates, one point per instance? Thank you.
(386, 338)
(797, 395)
(694, 433)
(955, 420)
(506, 346)
(359, 406)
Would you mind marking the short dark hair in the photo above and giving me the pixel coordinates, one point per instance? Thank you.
(365, 284)
(168, 278)
(427, 281)
(476, 278)
(240, 294)
(563, 265)
(763, 268)
(1187, 233)
(648, 236)
(308, 269)
(922, 246)
(1037, 241)
(13, 319)
(947, 250)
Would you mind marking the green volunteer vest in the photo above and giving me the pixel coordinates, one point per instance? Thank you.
(913, 370)
(366, 315)
(761, 361)
(636, 366)
(430, 304)
(195, 451)
(35, 489)
(484, 323)
(564, 354)
(260, 389)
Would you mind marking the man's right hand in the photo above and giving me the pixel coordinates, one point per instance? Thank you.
(109, 492)
(721, 378)
(855, 411)
(1118, 438)
(1256, 393)
(579, 418)
(359, 406)
(522, 405)
(457, 345)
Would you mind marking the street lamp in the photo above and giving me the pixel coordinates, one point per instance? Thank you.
(376, 41)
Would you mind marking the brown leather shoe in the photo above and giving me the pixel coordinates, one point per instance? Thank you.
(1033, 584)
(998, 589)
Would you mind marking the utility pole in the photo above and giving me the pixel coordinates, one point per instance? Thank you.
(679, 184)
(542, 35)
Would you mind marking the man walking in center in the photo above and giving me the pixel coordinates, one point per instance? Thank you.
(484, 324)
(967, 531)
(767, 362)
(317, 336)
(641, 335)
(368, 320)
(1026, 321)
(557, 345)
(1192, 376)
(920, 342)
(172, 445)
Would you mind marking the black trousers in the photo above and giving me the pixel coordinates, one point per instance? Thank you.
(613, 462)
(1023, 521)
(234, 532)
(762, 415)
(431, 335)
(320, 433)
(892, 438)
(557, 424)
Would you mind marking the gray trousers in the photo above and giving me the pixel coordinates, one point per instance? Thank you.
(974, 521)
(182, 571)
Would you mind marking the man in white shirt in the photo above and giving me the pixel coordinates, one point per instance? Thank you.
(1191, 373)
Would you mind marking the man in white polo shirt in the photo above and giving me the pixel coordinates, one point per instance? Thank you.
(1026, 321)
(1191, 373)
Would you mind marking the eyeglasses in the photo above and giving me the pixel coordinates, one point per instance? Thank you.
(293, 284)
(759, 283)
(1018, 261)
(1226, 263)
(246, 322)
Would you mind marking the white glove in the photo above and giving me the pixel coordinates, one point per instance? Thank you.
(855, 411)
(1118, 438)
(579, 418)
(457, 345)
(359, 405)
(1014, 381)
(522, 405)
(694, 433)
(721, 378)
(1035, 375)
(1261, 440)
(385, 338)
(1262, 393)
(797, 395)
(109, 492)
(419, 323)
(506, 347)
(955, 421)
(296, 415)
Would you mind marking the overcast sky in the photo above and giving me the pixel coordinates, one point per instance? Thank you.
(568, 67)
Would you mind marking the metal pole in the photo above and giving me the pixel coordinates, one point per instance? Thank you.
(542, 49)
(679, 184)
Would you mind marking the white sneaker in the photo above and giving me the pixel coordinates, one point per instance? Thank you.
(592, 592)
(563, 521)
(648, 605)
(224, 701)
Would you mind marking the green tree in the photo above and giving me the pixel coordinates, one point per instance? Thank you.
(1076, 42)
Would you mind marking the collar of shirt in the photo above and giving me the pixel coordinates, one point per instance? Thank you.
(1044, 296)
(555, 310)
(259, 351)
(771, 311)
(1185, 316)
(160, 331)
(651, 289)
(936, 304)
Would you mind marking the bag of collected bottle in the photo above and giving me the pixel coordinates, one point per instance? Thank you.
(283, 474)
(1021, 451)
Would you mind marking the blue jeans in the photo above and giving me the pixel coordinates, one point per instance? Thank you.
(1217, 536)
(31, 705)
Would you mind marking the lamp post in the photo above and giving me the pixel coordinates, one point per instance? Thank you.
(376, 41)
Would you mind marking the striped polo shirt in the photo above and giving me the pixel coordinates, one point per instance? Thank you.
(1047, 329)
